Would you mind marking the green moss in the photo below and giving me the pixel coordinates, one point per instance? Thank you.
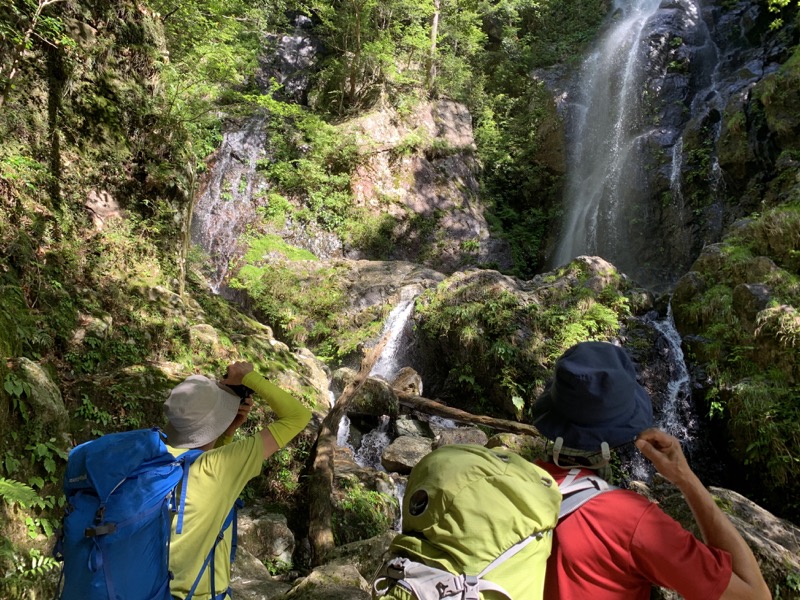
(264, 245)
(360, 514)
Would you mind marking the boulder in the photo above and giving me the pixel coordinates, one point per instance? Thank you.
(405, 452)
(266, 535)
(330, 582)
(44, 402)
(408, 381)
(251, 580)
(462, 435)
(530, 448)
(408, 426)
(748, 300)
(366, 555)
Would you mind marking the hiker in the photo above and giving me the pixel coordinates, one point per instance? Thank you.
(618, 544)
(204, 414)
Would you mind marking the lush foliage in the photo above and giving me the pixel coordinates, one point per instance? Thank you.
(311, 162)
(303, 301)
(754, 363)
(361, 513)
(475, 324)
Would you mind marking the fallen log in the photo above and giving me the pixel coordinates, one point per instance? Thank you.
(320, 481)
(433, 407)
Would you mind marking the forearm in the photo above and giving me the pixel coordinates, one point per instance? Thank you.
(292, 415)
(718, 531)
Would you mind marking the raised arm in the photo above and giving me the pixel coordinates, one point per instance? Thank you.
(665, 452)
(292, 415)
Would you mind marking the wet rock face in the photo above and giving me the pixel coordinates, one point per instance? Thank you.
(699, 136)
(290, 59)
(420, 173)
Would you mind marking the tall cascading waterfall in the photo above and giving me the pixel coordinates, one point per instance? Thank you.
(605, 131)
(654, 70)
(654, 73)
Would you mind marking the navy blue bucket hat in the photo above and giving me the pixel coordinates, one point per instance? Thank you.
(593, 398)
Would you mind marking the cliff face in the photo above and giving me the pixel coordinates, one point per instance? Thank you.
(421, 171)
(694, 145)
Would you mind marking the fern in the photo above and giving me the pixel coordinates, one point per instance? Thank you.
(16, 492)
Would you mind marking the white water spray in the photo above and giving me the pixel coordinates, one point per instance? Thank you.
(397, 325)
(606, 132)
(677, 415)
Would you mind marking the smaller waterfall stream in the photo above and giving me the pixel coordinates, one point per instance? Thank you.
(677, 415)
(372, 444)
(397, 324)
(225, 204)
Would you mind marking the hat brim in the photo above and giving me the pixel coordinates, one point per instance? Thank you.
(210, 428)
(552, 425)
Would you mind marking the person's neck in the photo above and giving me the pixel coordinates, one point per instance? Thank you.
(208, 446)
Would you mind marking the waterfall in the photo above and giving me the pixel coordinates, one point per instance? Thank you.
(605, 128)
(677, 415)
(225, 204)
(397, 325)
(675, 174)
(368, 453)
(655, 73)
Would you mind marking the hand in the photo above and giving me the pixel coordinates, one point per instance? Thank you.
(236, 372)
(665, 452)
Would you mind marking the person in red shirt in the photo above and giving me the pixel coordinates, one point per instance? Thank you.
(619, 544)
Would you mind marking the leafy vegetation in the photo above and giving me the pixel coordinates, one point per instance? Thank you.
(476, 326)
(304, 302)
(361, 513)
(751, 357)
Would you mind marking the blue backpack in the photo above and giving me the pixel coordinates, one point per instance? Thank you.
(121, 497)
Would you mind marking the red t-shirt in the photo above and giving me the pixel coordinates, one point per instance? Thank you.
(619, 543)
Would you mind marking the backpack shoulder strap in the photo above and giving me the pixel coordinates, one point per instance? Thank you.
(577, 491)
(186, 459)
(231, 519)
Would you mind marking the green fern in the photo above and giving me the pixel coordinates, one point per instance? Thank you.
(16, 492)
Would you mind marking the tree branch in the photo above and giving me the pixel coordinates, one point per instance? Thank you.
(320, 486)
(433, 407)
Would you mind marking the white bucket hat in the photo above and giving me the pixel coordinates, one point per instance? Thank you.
(198, 411)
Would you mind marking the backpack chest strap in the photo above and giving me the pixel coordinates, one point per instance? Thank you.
(431, 583)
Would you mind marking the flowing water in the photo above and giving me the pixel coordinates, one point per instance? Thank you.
(605, 131)
(677, 415)
(226, 203)
(398, 326)
(373, 443)
(654, 74)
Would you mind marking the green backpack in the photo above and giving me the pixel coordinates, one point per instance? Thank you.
(477, 524)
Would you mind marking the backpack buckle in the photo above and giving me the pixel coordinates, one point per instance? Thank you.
(100, 530)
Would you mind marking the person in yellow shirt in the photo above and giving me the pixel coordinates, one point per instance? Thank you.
(204, 414)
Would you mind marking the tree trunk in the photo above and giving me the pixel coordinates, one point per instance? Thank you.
(435, 408)
(17, 52)
(431, 74)
(320, 481)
